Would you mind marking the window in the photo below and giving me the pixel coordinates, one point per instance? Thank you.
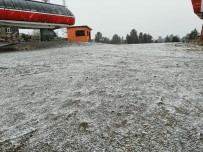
(8, 30)
(80, 33)
(25, 6)
(2, 5)
(17, 4)
(9, 4)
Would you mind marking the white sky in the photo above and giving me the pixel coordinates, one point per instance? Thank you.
(156, 17)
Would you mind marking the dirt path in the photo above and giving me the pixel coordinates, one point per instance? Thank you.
(96, 97)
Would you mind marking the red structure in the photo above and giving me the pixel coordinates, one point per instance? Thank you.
(33, 11)
(198, 10)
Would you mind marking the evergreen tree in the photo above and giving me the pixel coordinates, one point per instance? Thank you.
(106, 40)
(98, 37)
(171, 37)
(149, 38)
(145, 38)
(134, 37)
(167, 39)
(160, 40)
(193, 34)
(175, 39)
(140, 37)
(116, 39)
(129, 39)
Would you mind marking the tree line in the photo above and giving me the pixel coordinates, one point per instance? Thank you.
(132, 38)
(137, 38)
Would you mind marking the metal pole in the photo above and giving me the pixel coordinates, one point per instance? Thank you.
(64, 2)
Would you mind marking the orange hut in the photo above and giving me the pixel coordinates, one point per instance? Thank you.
(79, 34)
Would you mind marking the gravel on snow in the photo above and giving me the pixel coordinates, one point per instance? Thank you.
(98, 97)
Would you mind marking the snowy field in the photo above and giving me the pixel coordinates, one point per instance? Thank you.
(102, 98)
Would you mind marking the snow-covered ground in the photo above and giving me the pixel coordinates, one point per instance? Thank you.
(95, 97)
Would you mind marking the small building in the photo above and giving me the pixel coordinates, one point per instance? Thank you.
(8, 33)
(79, 34)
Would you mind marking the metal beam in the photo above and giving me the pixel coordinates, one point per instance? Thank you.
(32, 25)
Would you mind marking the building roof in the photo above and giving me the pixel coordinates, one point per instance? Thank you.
(83, 26)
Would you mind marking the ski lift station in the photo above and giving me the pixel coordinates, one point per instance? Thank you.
(198, 10)
(27, 14)
(34, 14)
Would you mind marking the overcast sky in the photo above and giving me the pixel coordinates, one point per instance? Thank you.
(156, 17)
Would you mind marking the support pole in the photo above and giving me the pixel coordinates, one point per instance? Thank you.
(201, 36)
(47, 34)
(64, 3)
